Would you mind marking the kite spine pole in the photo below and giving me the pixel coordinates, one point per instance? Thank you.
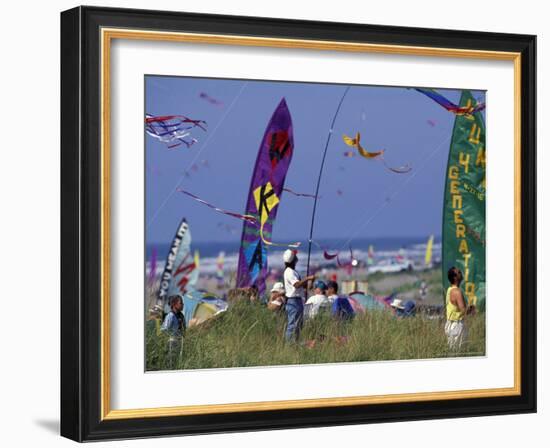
(319, 178)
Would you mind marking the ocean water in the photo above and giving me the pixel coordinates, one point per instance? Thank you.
(412, 248)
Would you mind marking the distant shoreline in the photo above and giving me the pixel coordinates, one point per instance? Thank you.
(382, 244)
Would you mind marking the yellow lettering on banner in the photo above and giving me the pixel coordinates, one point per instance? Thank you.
(470, 289)
(475, 133)
(480, 159)
(467, 259)
(454, 184)
(460, 231)
(466, 267)
(453, 172)
(457, 201)
(463, 247)
(464, 160)
(458, 216)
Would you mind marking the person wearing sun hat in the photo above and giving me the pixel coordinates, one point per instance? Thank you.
(277, 297)
(398, 307)
(404, 309)
(397, 304)
(294, 289)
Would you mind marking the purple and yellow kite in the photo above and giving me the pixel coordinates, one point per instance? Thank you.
(266, 188)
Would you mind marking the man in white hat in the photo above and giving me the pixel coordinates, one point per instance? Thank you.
(397, 305)
(294, 289)
(277, 297)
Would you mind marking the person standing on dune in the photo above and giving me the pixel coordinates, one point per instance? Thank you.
(455, 328)
(294, 289)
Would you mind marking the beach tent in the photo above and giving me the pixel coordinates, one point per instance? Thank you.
(199, 306)
(365, 302)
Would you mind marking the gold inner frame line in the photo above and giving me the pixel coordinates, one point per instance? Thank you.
(107, 35)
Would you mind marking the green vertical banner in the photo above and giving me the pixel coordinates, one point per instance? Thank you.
(464, 204)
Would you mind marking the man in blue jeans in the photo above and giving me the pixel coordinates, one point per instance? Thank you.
(294, 291)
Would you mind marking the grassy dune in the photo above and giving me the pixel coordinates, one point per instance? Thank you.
(250, 335)
(406, 285)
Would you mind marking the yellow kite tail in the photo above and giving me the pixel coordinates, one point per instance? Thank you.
(356, 143)
(271, 243)
(369, 155)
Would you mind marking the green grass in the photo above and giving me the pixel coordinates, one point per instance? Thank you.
(432, 277)
(250, 335)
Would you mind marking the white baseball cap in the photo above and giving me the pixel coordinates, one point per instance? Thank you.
(289, 255)
(278, 287)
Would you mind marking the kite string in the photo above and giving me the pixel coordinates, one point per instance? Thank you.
(249, 218)
(173, 190)
(304, 195)
(319, 178)
(387, 200)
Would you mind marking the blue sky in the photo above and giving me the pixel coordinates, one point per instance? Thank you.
(373, 202)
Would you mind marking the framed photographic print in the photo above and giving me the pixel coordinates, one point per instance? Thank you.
(275, 224)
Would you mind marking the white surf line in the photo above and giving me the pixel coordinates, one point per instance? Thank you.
(155, 215)
(389, 198)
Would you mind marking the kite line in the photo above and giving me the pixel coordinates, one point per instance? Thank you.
(319, 178)
(178, 184)
(392, 195)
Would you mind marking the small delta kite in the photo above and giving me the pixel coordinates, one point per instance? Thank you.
(378, 155)
(356, 143)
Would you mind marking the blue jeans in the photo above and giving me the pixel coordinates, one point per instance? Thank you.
(295, 318)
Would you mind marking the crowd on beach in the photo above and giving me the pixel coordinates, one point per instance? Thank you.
(289, 297)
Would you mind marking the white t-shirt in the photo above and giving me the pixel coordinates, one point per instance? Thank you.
(315, 303)
(318, 299)
(332, 298)
(291, 277)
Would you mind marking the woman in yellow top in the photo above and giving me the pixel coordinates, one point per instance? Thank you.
(455, 329)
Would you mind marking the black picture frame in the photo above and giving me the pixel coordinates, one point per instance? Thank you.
(81, 209)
